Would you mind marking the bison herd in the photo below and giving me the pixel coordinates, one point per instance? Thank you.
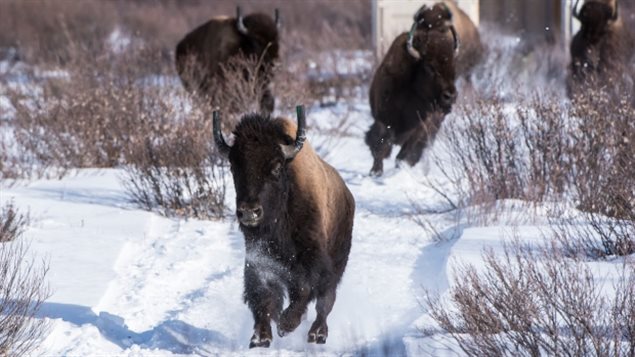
(294, 209)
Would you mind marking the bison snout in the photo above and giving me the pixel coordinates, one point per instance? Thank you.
(249, 214)
(447, 100)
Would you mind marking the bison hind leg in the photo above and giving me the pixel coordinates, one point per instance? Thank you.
(319, 330)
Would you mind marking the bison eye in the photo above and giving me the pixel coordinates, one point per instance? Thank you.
(277, 169)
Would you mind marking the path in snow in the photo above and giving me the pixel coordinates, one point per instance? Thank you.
(130, 282)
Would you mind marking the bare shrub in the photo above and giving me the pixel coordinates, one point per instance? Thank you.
(178, 173)
(603, 176)
(506, 153)
(532, 302)
(22, 293)
(12, 223)
(594, 235)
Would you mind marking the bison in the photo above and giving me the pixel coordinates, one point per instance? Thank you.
(411, 91)
(296, 214)
(447, 13)
(602, 46)
(202, 53)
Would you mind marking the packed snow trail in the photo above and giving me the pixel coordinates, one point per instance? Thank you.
(130, 282)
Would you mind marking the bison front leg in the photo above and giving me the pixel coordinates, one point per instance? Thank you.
(265, 302)
(412, 148)
(379, 138)
(299, 297)
(319, 329)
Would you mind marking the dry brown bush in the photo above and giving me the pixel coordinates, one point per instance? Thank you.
(22, 293)
(502, 153)
(531, 302)
(12, 223)
(178, 173)
(86, 119)
(40, 29)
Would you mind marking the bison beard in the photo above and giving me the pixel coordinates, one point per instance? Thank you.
(296, 214)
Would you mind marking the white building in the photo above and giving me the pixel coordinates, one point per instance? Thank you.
(531, 18)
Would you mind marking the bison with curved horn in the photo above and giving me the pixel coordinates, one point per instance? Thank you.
(201, 54)
(602, 46)
(296, 214)
(411, 91)
(446, 13)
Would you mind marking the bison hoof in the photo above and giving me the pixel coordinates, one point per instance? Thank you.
(318, 336)
(376, 173)
(258, 342)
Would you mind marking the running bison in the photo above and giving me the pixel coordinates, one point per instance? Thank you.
(296, 214)
(202, 53)
(602, 46)
(411, 91)
(446, 13)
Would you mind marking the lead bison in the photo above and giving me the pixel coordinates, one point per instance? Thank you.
(204, 53)
(297, 217)
(601, 48)
(448, 13)
(411, 91)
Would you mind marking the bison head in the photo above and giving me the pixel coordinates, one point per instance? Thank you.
(435, 49)
(595, 17)
(438, 18)
(259, 34)
(259, 161)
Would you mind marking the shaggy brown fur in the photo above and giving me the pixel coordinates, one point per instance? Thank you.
(445, 13)
(201, 54)
(602, 46)
(297, 217)
(409, 97)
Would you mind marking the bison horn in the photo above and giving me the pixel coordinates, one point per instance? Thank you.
(276, 16)
(616, 12)
(290, 151)
(457, 43)
(575, 12)
(221, 145)
(411, 50)
(240, 25)
(418, 13)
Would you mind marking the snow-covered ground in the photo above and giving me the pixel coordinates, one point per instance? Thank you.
(133, 283)
(127, 282)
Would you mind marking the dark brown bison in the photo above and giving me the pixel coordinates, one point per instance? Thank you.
(602, 46)
(411, 91)
(202, 53)
(296, 214)
(447, 13)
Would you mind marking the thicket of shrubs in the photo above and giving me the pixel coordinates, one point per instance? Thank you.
(533, 301)
(545, 151)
